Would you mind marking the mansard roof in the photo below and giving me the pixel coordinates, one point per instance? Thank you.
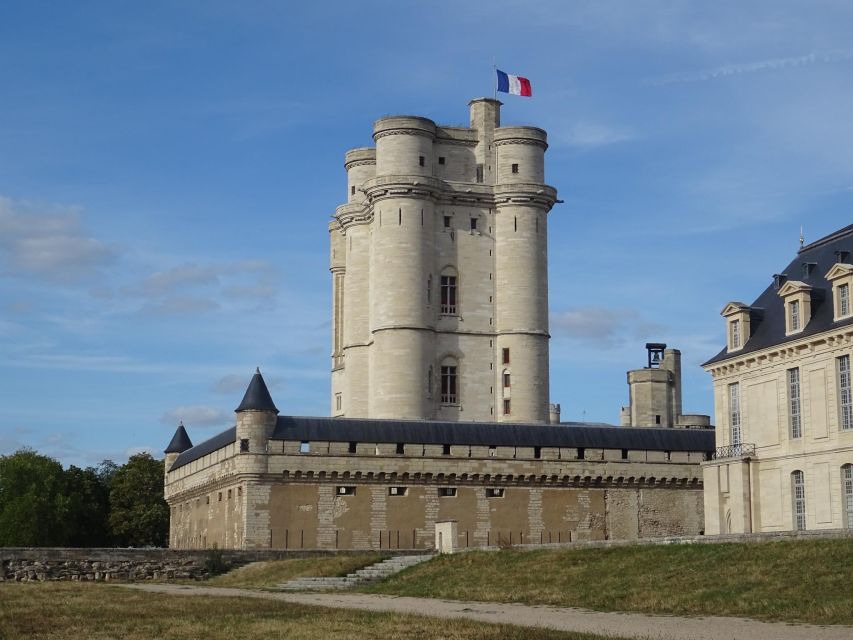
(567, 435)
(180, 441)
(810, 268)
(257, 397)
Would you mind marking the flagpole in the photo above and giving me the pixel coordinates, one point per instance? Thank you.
(495, 79)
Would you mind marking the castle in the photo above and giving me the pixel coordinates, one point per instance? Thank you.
(440, 385)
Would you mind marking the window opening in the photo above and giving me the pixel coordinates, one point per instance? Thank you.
(624, 454)
(401, 449)
(445, 449)
(734, 414)
(352, 190)
(794, 402)
(581, 453)
(505, 355)
(735, 334)
(447, 492)
(421, 160)
(352, 447)
(473, 224)
(345, 491)
(244, 445)
(847, 490)
(493, 451)
(515, 223)
(448, 295)
(506, 379)
(446, 222)
(515, 168)
(537, 453)
(429, 382)
(397, 491)
(844, 300)
(657, 419)
(304, 447)
(507, 406)
(440, 159)
(845, 401)
(479, 173)
(795, 315)
(338, 401)
(798, 493)
(448, 385)
(494, 492)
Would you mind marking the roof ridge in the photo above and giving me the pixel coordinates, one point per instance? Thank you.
(835, 235)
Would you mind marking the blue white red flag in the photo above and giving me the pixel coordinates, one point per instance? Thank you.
(515, 85)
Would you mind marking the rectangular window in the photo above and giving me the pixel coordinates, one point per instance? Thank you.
(506, 379)
(446, 222)
(844, 300)
(244, 445)
(494, 492)
(515, 168)
(440, 159)
(734, 414)
(493, 451)
(304, 447)
(507, 406)
(735, 334)
(401, 449)
(220, 497)
(624, 454)
(239, 491)
(352, 190)
(445, 449)
(421, 160)
(207, 500)
(448, 295)
(479, 173)
(473, 224)
(537, 453)
(581, 453)
(397, 491)
(844, 399)
(229, 494)
(338, 401)
(447, 492)
(448, 385)
(798, 493)
(505, 356)
(794, 308)
(794, 403)
(352, 447)
(847, 490)
(345, 491)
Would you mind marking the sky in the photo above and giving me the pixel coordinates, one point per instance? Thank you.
(168, 170)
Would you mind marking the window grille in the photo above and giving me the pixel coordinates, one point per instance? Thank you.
(734, 414)
(844, 397)
(494, 492)
(795, 315)
(847, 490)
(844, 300)
(448, 295)
(794, 402)
(735, 334)
(798, 492)
(449, 394)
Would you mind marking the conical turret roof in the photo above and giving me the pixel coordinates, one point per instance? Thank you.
(180, 441)
(257, 396)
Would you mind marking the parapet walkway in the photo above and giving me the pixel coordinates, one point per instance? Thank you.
(625, 625)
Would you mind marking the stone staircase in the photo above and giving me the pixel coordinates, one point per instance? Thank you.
(376, 571)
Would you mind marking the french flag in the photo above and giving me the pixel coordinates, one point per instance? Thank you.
(515, 85)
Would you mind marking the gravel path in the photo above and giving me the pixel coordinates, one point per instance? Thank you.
(628, 625)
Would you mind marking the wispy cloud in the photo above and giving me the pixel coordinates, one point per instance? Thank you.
(198, 416)
(770, 64)
(608, 328)
(591, 134)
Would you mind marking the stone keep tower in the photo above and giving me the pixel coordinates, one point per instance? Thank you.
(439, 271)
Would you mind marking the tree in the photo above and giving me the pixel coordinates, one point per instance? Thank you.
(89, 507)
(139, 516)
(34, 505)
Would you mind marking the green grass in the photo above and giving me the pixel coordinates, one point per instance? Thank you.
(43, 611)
(262, 575)
(797, 581)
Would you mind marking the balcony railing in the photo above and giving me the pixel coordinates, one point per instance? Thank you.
(742, 450)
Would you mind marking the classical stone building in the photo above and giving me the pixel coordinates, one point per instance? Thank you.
(782, 394)
(440, 380)
(440, 273)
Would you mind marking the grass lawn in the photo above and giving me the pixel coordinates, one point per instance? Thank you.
(96, 612)
(260, 575)
(797, 581)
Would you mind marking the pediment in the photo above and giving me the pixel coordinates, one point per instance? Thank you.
(793, 286)
(839, 270)
(732, 308)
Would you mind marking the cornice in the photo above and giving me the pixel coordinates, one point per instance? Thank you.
(403, 132)
(532, 141)
(358, 163)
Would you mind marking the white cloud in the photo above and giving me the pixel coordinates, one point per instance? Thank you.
(198, 416)
(176, 278)
(605, 328)
(590, 134)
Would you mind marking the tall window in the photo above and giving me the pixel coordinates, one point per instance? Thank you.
(429, 382)
(794, 309)
(429, 289)
(448, 294)
(449, 393)
(844, 300)
(847, 493)
(735, 334)
(798, 495)
(507, 406)
(844, 399)
(794, 403)
(734, 414)
(505, 355)
(506, 377)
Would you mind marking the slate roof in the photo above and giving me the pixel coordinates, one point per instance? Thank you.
(767, 320)
(180, 442)
(257, 396)
(599, 436)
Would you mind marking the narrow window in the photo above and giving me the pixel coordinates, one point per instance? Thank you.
(352, 447)
(446, 222)
(473, 224)
(338, 401)
(657, 419)
(479, 173)
(429, 289)
(304, 447)
(515, 168)
(507, 406)
(506, 379)
(794, 309)
(352, 190)
(537, 453)
(244, 445)
(734, 414)
(445, 449)
(844, 398)
(794, 402)
(798, 494)
(399, 217)
(494, 492)
(735, 334)
(229, 494)
(440, 159)
(345, 491)
(581, 453)
(505, 355)
(448, 295)
(220, 497)
(429, 382)
(447, 492)
(847, 493)
(844, 300)
(207, 499)
(239, 491)
(401, 449)
(421, 160)
(624, 454)
(397, 491)
(448, 385)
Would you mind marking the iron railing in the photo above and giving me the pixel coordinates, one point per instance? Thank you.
(741, 450)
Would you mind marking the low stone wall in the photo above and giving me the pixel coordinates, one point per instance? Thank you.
(24, 564)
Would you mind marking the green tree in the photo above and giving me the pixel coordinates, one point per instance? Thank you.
(34, 505)
(139, 516)
(89, 507)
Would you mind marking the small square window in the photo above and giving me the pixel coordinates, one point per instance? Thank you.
(494, 492)
(304, 447)
(244, 445)
(440, 159)
(515, 168)
(445, 449)
(401, 448)
(421, 160)
(505, 356)
(397, 491)
(345, 491)
(353, 447)
(447, 492)
(446, 222)
(473, 224)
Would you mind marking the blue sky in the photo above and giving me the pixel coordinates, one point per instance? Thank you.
(167, 171)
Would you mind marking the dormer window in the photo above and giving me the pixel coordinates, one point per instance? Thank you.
(737, 316)
(794, 315)
(735, 337)
(797, 300)
(841, 277)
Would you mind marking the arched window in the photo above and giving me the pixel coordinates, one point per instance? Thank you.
(847, 494)
(449, 381)
(449, 291)
(798, 498)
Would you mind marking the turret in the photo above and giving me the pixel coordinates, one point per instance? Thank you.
(179, 443)
(256, 417)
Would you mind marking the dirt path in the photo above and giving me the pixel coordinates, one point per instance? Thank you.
(629, 625)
